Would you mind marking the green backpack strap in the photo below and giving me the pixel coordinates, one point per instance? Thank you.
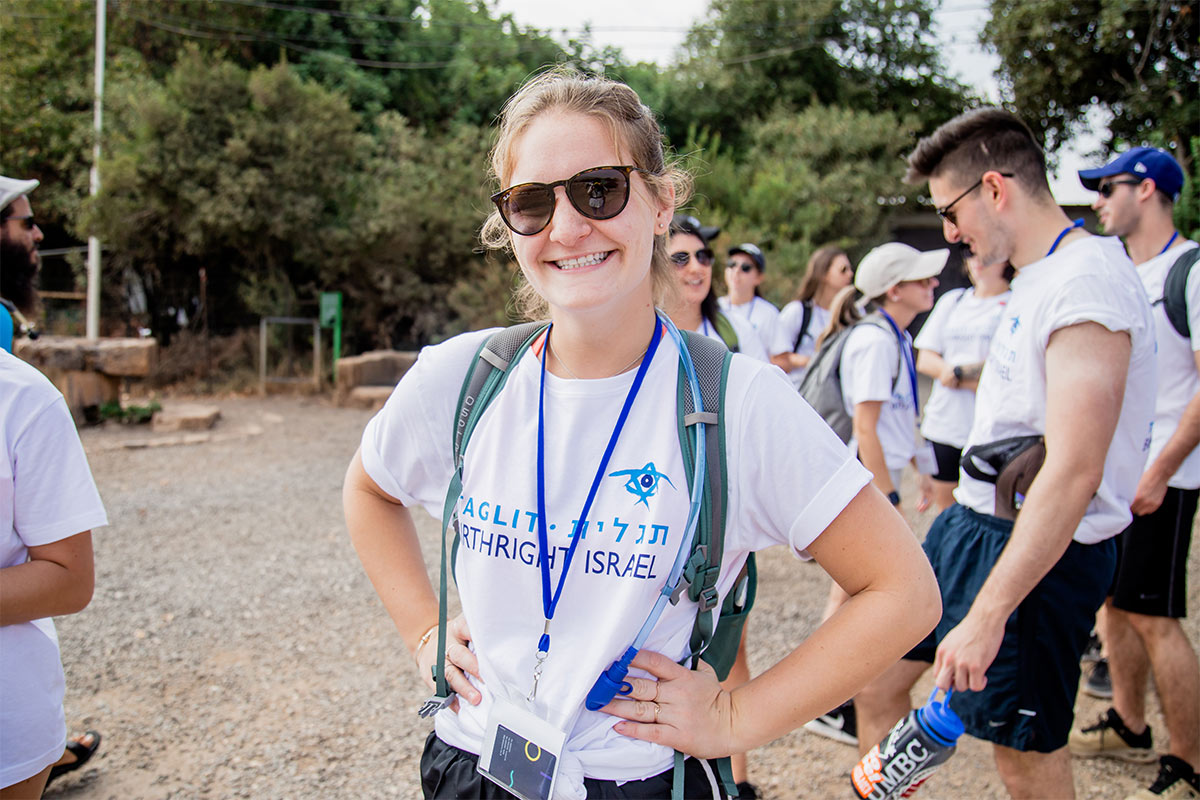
(728, 335)
(711, 361)
(485, 377)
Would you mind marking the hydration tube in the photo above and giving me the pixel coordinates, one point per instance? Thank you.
(612, 680)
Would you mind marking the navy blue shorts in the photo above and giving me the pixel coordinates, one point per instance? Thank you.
(1152, 558)
(1029, 700)
(448, 773)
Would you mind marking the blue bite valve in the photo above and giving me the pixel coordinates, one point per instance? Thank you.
(610, 682)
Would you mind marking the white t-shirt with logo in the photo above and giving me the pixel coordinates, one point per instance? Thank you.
(748, 342)
(789, 476)
(1178, 380)
(1087, 280)
(760, 313)
(959, 329)
(46, 495)
(869, 373)
(787, 328)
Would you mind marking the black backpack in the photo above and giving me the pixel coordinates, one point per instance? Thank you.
(1174, 297)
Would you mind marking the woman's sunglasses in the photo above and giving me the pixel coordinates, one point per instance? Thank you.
(680, 258)
(596, 193)
(743, 266)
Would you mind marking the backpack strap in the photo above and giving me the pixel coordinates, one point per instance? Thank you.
(711, 361)
(805, 320)
(485, 377)
(726, 331)
(1174, 297)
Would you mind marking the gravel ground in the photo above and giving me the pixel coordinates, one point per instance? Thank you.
(234, 647)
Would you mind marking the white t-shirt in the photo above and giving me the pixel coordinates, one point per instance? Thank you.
(959, 329)
(748, 342)
(1088, 280)
(1178, 380)
(869, 372)
(787, 328)
(760, 313)
(46, 495)
(789, 476)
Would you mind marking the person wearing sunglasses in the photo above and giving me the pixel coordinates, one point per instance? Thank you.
(1140, 626)
(1071, 367)
(592, 400)
(695, 307)
(19, 261)
(743, 277)
(802, 320)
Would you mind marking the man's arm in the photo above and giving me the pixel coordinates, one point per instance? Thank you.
(1086, 366)
(1153, 485)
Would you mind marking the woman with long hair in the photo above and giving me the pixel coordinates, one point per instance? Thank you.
(802, 320)
(586, 197)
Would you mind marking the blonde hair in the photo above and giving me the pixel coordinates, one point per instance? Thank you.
(843, 312)
(634, 129)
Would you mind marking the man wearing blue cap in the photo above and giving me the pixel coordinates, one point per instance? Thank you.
(1141, 623)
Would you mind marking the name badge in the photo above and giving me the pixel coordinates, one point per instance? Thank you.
(521, 751)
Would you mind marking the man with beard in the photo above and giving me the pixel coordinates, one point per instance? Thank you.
(19, 238)
(1068, 382)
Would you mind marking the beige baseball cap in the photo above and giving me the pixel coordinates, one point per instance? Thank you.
(892, 263)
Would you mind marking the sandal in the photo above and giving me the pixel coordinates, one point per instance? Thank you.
(82, 753)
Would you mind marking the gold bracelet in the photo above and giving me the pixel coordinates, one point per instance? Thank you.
(424, 640)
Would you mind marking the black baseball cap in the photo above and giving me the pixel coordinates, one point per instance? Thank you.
(686, 223)
(751, 250)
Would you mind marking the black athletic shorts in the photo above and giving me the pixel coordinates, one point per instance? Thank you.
(448, 773)
(1152, 558)
(947, 457)
(1028, 703)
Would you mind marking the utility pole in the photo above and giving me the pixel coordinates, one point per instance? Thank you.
(93, 267)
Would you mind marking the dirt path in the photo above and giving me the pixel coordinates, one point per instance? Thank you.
(234, 647)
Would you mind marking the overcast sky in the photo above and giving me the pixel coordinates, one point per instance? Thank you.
(652, 31)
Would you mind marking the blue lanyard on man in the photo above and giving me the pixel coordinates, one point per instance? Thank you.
(550, 601)
(1077, 223)
(910, 361)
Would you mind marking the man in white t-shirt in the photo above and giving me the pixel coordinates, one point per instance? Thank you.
(1141, 620)
(1071, 365)
(743, 276)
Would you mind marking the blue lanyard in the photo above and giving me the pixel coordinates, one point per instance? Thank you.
(1171, 241)
(1075, 224)
(550, 602)
(909, 361)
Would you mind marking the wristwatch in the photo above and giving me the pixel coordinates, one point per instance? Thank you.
(894, 497)
(958, 373)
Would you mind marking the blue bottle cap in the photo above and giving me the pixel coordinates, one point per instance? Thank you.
(939, 721)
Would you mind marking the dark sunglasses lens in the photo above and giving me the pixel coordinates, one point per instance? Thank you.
(680, 259)
(1106, 190)
(705, 257)
(599, 193)
(527, 209)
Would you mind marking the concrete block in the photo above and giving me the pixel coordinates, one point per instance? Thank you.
(126, 357)
(47, 353)
(376, 368)
(372, 397)
(185, 417)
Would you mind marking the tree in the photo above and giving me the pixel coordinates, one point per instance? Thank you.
(825, 175)
(749, 57)
(1139, 59)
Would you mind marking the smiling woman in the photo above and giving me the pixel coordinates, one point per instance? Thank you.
(586, 430)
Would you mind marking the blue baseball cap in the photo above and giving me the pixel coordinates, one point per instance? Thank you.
(1142, 162)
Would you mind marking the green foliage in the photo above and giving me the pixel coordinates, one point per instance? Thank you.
(826, 175)
(130, 415)
(1139, 59)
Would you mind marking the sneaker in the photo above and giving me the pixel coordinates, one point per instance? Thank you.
(1110, 738)
(1092, 653)
(1099, 682)
(840, 724)
(1176, 781)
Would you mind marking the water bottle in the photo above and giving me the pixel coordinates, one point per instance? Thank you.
(920, 743)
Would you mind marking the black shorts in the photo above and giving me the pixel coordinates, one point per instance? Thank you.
(947, 457)
(1029, 700)
(1152, 558)
(448, 772)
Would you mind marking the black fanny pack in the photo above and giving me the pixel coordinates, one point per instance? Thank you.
(1010, 464)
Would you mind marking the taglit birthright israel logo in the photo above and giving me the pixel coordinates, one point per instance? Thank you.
(642, 483)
